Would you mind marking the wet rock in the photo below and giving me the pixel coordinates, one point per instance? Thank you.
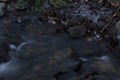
(2, 9)
(62, 54)
(105, 68)
(65, 58)
(28, 50)
(94, 67)
(77, 31)
(91, 70)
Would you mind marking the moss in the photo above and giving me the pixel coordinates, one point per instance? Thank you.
(37, 4)
(57, 3)
(21, 3)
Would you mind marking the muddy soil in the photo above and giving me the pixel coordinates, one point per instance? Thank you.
(61, 44)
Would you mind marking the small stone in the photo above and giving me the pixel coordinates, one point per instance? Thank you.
(2, 9)
(77, 31)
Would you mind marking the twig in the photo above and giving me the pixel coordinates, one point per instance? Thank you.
(110, 20)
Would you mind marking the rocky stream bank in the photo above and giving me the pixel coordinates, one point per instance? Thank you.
(61, 44)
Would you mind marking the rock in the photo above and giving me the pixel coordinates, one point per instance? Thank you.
(62, 54)
(77, 31)
(28, 50)
(105, 68)
(90, 70)
(2, 9)
(65, 59)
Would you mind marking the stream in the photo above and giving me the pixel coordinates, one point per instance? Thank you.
(69, 49)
